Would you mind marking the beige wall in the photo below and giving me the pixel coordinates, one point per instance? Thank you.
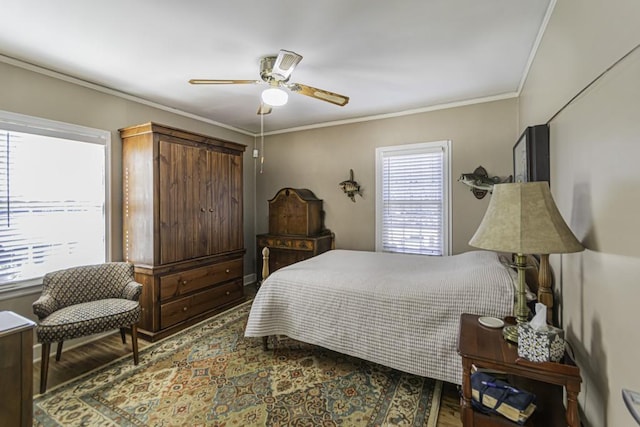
(35, 94)
(595, 148)
(480, 134)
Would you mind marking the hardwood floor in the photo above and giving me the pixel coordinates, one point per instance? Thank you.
(90, 356)
(85, 358)
(449, 415)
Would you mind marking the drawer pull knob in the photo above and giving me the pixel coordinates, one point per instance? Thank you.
(210, 209)
(202, 209)
(228, 293)
(185, 308)
(227, 271)
(184, 282)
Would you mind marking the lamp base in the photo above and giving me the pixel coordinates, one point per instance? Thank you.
(510, 333)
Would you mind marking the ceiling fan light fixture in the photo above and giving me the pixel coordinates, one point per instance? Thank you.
(274, 96)
(275, 71)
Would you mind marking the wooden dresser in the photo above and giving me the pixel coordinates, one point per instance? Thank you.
(296, 229)
(16, 369)
(182, 224)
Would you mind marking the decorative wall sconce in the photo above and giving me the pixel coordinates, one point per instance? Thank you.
(351, 187)
(480, 182)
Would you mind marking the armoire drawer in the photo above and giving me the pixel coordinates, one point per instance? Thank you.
(189, 306)
(185, 282)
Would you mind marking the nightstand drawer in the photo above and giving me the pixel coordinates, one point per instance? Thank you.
(288, 243)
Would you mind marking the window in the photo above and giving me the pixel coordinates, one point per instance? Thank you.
(53, 189)
(412, 198)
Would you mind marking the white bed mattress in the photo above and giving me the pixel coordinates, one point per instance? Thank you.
(401, 311)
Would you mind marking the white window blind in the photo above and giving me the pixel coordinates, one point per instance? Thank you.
(412, 199)
(52, 200)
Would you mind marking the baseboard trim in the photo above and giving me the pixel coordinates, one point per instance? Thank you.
(250, 279)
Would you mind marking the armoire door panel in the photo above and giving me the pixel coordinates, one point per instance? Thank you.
(234, 225)
(218, 209)
(205, 185)
(187, 222)
(180, 210)
(169, 182)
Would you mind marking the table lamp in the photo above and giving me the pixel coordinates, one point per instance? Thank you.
(523, 219)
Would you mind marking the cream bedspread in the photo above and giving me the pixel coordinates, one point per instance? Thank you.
(402, 311)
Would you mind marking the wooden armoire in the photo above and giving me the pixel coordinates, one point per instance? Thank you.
(296, 229)
(182, 224)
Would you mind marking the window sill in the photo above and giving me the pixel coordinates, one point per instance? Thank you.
(19, 289)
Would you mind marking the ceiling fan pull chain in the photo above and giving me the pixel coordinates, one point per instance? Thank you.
(261, 139)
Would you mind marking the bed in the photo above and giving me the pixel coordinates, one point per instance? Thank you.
(401, 311)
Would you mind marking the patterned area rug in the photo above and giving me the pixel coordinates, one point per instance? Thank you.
(211, 375)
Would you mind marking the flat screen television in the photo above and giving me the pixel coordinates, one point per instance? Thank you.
(531, 155)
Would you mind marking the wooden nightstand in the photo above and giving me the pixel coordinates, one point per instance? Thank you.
(485, 348)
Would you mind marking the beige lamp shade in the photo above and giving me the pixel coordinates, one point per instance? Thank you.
(522, 218)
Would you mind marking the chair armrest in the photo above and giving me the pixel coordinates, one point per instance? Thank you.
(132, 291)
(44, 306)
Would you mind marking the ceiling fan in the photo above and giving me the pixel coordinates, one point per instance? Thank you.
(275, 71)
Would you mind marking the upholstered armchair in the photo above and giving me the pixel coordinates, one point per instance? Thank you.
(86, 300)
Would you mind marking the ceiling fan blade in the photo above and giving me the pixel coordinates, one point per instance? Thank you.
(323, 95)
(264, 109)
(285, 64)
(221, 82)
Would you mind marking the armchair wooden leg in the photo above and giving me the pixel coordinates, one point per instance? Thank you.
(123, 335)
(59, 351)
(265, 343)
(134, 343)
(44, 366)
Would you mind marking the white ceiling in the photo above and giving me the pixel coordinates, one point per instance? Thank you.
(389, 57)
